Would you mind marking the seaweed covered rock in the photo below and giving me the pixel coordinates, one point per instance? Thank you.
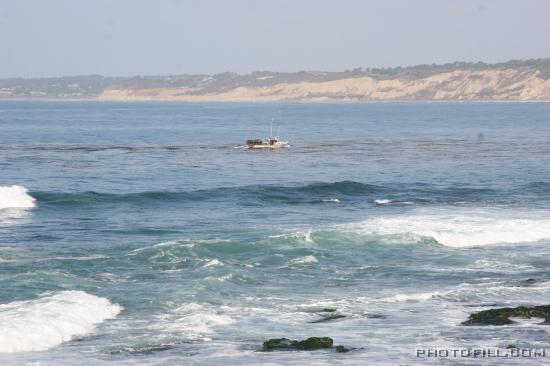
(341, 349)
(502, 316)
(315, 343)
(279, 343)
(310, 344)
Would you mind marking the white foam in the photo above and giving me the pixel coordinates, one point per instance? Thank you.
(304, 260)
(189, 243)
(461, 228)
(305, 235)
(15, 197)
(213, 262)
(382, 201)
(54, 318)
(333, 200)
(409, 297)
(192, 320)
(498, 291)
(226, 277)
(500, 266)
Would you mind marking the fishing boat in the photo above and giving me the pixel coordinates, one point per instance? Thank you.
(271, 142)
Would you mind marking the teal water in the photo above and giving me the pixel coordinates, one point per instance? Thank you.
(144, 234)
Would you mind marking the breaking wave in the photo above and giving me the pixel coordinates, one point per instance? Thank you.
(455, 228)
(51, 319)
(15, 197)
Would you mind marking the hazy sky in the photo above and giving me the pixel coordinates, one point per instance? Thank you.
(143, 37)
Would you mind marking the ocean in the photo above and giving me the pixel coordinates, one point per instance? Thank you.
(146, 234)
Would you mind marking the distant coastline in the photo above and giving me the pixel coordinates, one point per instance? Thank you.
(524, 80)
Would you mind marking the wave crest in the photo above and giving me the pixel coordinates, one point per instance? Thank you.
(252, 194)
(15, 197)
(459, 229)
(54, 318)
(314, 193)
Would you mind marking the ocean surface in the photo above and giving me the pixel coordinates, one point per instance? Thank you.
(145, 234)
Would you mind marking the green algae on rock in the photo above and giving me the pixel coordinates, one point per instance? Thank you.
(312, 343)
(279, 343)
(341, 349)
(502, 316)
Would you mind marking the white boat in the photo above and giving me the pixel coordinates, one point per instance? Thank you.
(272, 142)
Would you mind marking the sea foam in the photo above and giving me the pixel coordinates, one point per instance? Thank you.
(51, 319)
(15, 197)
(213, 263)
(192, 321)
(409, 297)
(461, 228)
(304, 260)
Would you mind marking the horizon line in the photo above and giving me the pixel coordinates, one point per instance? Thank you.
(355, 69)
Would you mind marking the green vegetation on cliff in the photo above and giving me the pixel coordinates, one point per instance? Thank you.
(94, 86)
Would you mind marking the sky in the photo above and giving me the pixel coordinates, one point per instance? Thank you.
(40, 38)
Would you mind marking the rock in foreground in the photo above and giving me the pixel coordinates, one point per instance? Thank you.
(310, 344)
(502, 316)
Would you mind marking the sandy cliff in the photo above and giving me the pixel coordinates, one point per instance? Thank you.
(510, 80)
(498, 84)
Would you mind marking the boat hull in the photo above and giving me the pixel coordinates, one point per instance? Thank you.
(266, 146)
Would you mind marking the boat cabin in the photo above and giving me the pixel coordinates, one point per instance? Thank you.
(254, 142)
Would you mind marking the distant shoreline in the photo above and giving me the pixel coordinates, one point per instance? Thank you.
(527, 80)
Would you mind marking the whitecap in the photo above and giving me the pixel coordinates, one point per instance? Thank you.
(213, 262)
(304, 260)
(189, 243)
(460, 228)
(333, 200)
(15, 197)
(51, 319)
(382, 201)
(305, 235)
